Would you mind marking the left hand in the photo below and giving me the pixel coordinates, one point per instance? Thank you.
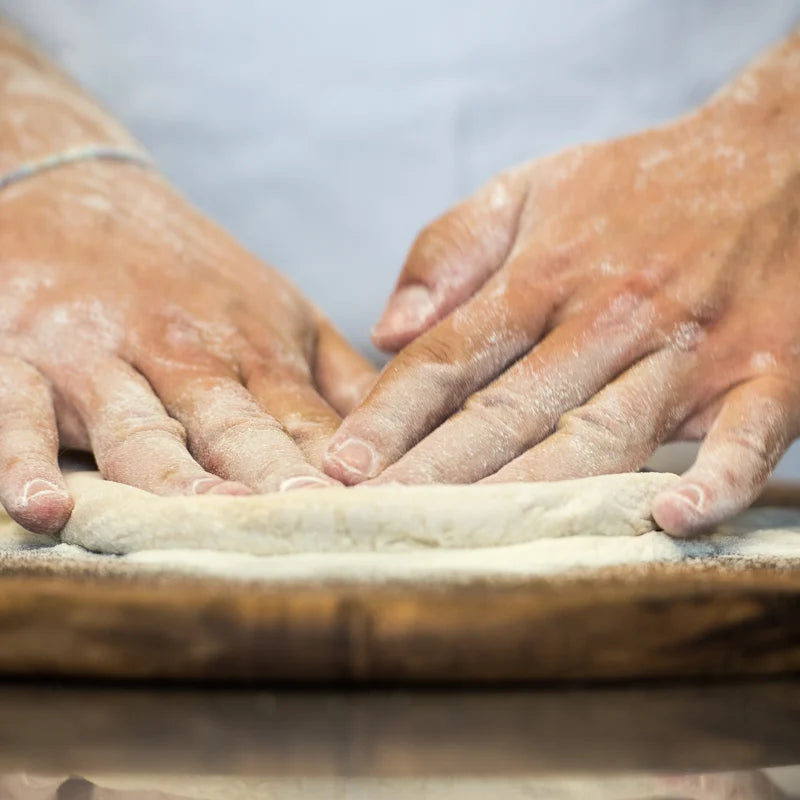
(134, 328)
(582, 309)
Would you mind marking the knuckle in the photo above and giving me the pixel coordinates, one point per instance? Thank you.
(277, 363)
(160, 428)
(246, 426)
(438, 243)
(125, 445)
(130, 435)
(594, 423)
(435, 362)
(642, 294)
(642, 283)
(500, 410)
(231, 436)
(177, 333)
(754, 444)
(685, 336)
(622, 311)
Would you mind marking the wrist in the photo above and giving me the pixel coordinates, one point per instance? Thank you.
(44, 114)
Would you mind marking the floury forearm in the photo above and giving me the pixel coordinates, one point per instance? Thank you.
(43, 113)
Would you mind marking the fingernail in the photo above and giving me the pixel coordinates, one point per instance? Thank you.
(304, 482)
(693, 497)
(408, 309)
(204, 485)
(39, 489)
(356, 456)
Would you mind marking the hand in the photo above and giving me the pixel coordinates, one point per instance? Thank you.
(133, 327)
(584, 308)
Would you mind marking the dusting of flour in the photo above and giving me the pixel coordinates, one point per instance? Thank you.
(757, 536)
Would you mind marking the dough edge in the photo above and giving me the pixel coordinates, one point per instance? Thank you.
(117, 519)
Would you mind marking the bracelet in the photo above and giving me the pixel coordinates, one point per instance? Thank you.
(70, 157)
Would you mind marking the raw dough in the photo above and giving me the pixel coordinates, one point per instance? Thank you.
(757, 538)
(118, 519)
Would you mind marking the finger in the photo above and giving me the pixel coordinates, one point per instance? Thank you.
(522, 406)
(616, 431)
(451, 259)
(756, 423)
(32, 488)
(229, 433)
(133, 439)
(287, 395)
(342, 375)
(433, 376)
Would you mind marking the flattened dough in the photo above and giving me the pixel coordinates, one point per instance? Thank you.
(113, 518)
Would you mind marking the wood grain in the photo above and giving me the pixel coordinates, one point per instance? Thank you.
(622, 623)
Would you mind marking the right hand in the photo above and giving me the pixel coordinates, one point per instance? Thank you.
(133, 327)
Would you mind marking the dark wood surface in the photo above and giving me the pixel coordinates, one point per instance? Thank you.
(654, 622)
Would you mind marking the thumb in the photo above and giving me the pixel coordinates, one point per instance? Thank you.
(451, 259)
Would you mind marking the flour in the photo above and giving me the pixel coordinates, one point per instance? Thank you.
(757, 536)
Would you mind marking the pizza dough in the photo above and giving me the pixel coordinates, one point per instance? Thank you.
(117, 519)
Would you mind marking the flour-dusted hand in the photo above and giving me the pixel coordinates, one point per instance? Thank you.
(584, 308)
(133, 327)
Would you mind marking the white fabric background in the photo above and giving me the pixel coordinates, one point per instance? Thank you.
(325, 134)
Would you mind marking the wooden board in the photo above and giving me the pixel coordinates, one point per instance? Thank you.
(620, 623)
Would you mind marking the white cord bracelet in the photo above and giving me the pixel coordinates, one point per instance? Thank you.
(89, 153)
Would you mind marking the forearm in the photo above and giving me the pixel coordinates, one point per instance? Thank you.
(42, 112)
